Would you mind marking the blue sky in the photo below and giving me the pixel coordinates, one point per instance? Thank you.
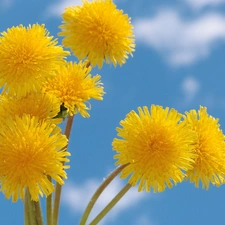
(178, 62)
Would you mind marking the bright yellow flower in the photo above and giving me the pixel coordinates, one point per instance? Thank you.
(43, 106)
(209, 166)
(157, 148)
(29, 153)
(98, 31)
(75, 86)
(28, 55)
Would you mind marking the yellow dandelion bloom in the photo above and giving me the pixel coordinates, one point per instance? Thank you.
(75, 86)
(98, 31)
(43, 106)
(28, 55)
(156, 147)
(209, 166)
(29, 152)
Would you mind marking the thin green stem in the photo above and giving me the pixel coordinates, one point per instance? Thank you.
(98, 192)
(69, 126)
(58, 188)
(30, 217)
(26, 209)
(49, 206)
(101, 215)
(38, 213)
(58, 191)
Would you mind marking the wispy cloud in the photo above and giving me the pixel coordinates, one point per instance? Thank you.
(143, 220)
(181, 41)
(76, 197)
(190, 88)
(195, 92)
(57, 8)
(6, 4)
(199, 4)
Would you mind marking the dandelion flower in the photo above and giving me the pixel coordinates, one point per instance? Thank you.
(209, 166)
(29, 153)
(75, 86)
(156, 147)
(98, 31)
(43, 106)
(28, 55)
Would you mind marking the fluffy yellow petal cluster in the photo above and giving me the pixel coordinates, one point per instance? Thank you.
(158, 148)
(98, 31)
(29, 153)
(209, 166)
(42, 106)
(28, 55)
(75, 86)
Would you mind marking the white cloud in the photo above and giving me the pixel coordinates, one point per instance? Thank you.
(198, 4)
(5, 4)
(76, 197)
(143, 220)
(190, 87)
(57, 8)
(181, 41)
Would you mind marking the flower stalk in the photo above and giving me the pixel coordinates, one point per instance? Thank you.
(49, 207)
(116, 199)
(27, 208)
(98, 192)
(32, 211)
(38, 213)
(58, 188)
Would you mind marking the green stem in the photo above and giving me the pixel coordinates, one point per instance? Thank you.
(58, 191)
(58, 188)
(49, 206)
(110, 205)
(98, 192)
(30, 217)
(38, 213)
(26, 209)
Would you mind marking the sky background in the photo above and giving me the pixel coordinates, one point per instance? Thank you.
(178, 62)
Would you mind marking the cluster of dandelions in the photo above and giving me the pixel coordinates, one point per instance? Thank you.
(156, 148)
(162, 147)
(159, 147)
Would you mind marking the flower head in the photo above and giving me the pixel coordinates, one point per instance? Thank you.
(99, 31)
(43, 106)
(209, 165)
(156, 147)
(28, 55)
(29, 153)
(74, 86)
